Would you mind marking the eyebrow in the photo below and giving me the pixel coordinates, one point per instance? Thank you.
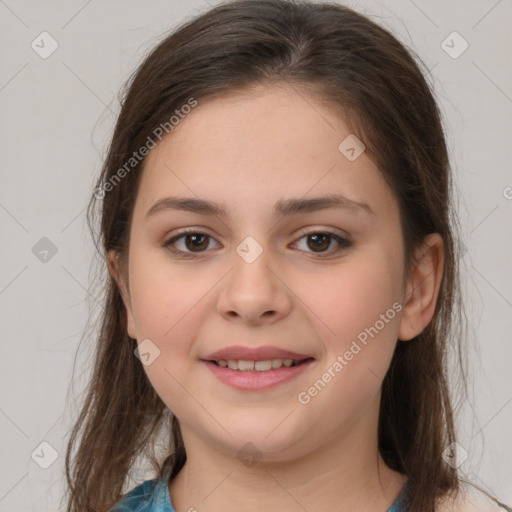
(284, 207)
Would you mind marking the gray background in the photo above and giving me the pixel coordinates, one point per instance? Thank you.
(56, 117)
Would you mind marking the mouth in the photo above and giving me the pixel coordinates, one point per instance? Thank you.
(245, 375)
(265, 365)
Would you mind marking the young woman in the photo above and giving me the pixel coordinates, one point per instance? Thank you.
(276, 220)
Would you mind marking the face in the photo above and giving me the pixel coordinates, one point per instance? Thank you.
(325, 283)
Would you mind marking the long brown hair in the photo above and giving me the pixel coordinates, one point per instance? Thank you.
(345, 59)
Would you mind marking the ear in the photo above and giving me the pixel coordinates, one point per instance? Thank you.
(114, 270)
(422, 288)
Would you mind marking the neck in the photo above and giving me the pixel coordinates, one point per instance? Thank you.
(346, 473)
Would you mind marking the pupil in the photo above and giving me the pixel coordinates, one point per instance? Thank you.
(324, 236)
(196, 245)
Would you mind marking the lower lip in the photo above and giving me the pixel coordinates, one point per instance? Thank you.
(255, 380)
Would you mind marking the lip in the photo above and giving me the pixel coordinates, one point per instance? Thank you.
(237, 352)
(255, 380)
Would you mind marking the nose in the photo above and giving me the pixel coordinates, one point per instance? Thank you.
(254, 293)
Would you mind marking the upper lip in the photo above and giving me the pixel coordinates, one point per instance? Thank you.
(239, 352)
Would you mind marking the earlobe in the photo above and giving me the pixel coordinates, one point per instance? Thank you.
(422, 288)
(113, 268)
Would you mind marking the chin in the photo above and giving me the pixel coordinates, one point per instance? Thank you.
(263, 443)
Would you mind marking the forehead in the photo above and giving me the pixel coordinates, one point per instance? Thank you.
(274, 118)
(249, 150)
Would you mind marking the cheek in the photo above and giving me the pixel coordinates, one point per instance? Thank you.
(359, 308)
(363, 311)
(170, 303)
(349, 380)
(163, 294)
(166, 312)
(347, 299)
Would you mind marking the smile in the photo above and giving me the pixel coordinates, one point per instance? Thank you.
(260, 366)
(257, 375)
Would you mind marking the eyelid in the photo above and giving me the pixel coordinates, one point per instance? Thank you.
(309, 230)
(168, 242)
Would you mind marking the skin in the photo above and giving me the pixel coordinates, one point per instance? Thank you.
(247, 151)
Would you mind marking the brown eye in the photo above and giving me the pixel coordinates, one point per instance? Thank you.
(319, 242)
(196, 241)
(187, 243)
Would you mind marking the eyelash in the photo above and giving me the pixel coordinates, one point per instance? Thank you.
(343, 243)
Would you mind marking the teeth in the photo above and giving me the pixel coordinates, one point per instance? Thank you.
(263, 366)
(260, 366)
(244, 365)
